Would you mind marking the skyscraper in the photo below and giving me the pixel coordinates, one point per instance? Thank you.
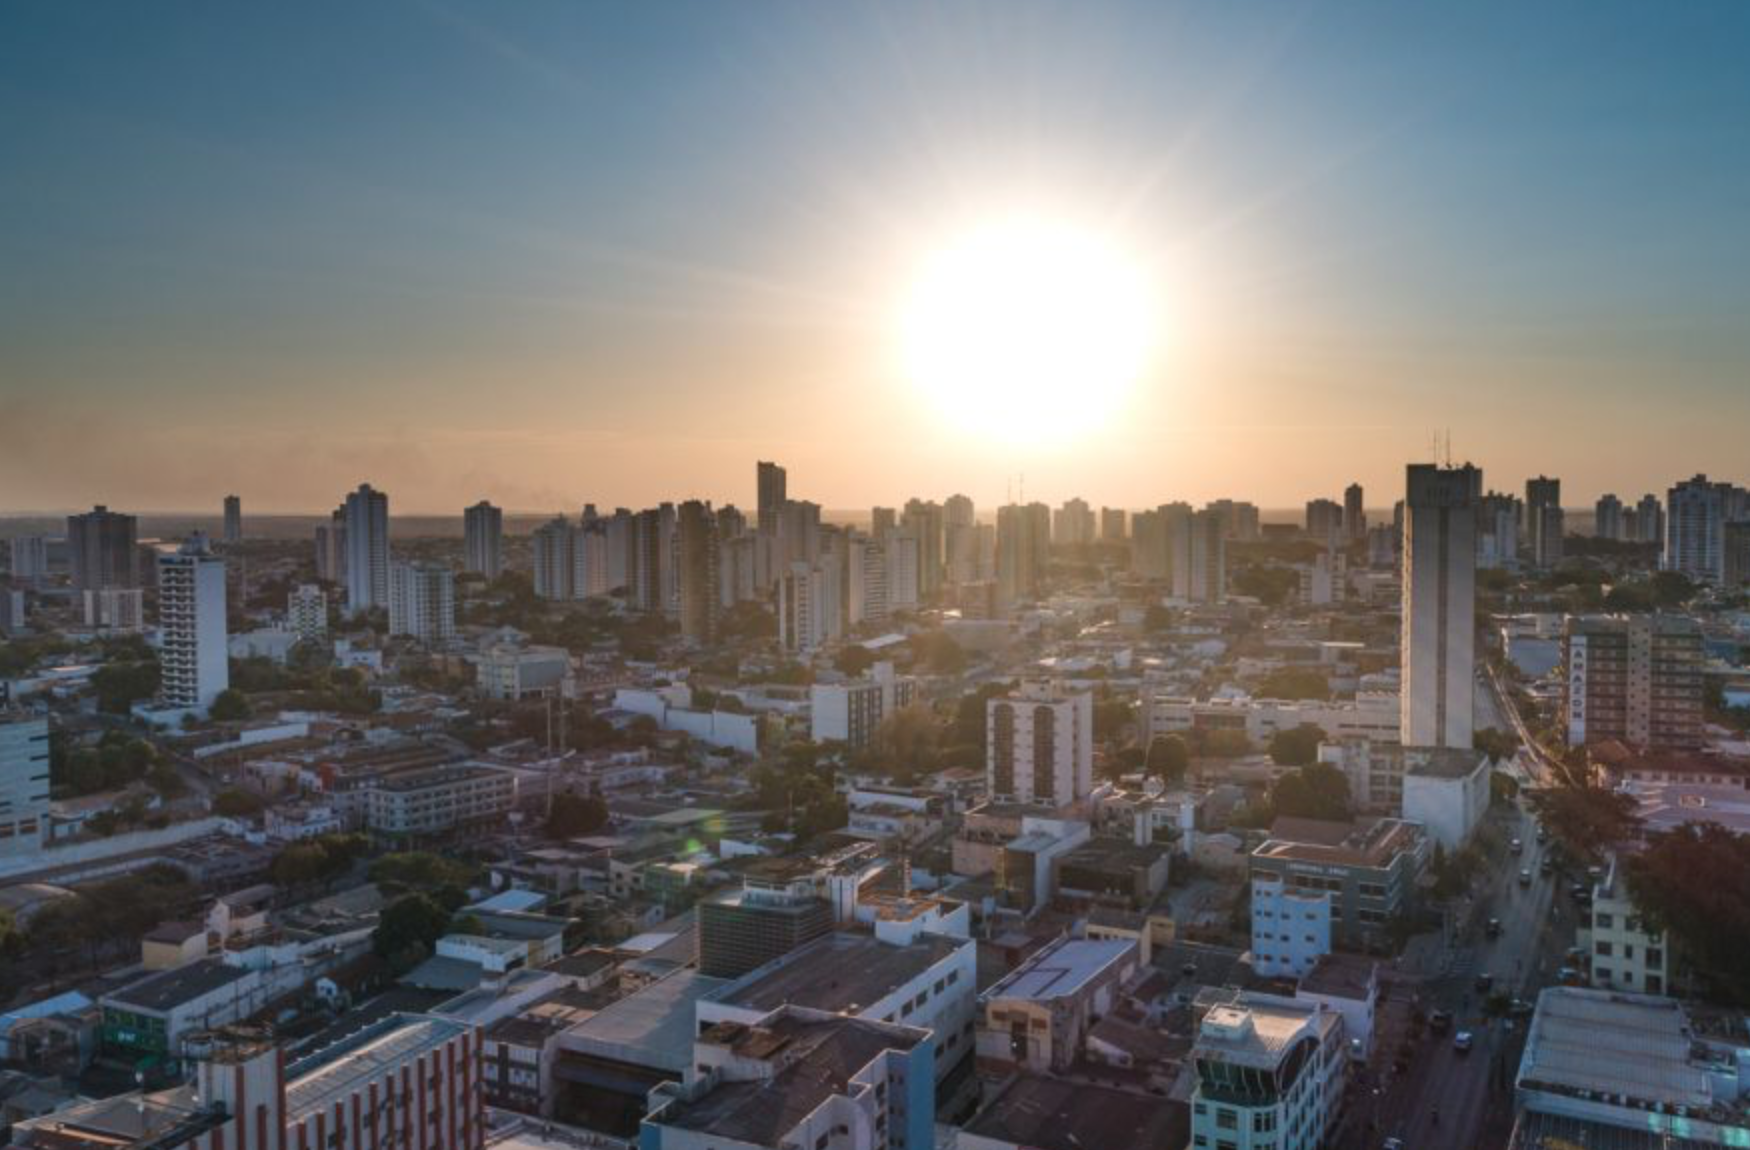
(1607, 521)
(927, 523)
(1544, 520)
(367, 550)
(30, 559)
(422, 601)
(193, 656)
(331, 548)
(101, 547)
(1023, 550)
(698, 556)
(649, 555)
(1354, 513)
(233, 520)
(554, 561)
(1695, 524)
(1209, 533)
(1439, 610)
(774, 492)
(1324, 520)
(1112, 525)
(483, 539)
(1073, 524)
(1650, 520)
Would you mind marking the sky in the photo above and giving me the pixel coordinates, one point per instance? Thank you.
(548, 253)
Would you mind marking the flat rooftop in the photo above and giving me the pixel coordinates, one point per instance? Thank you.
(314, 1082)
(1374, 847)
(838, 972)
(1054, 1114)
(652, 1027)
(1063, 968)
(1256, 1029)
(173, 988)
(819, 1056)
(1604, 1042)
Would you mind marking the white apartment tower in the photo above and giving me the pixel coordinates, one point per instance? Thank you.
(422, 601)
(193, 653)
(1695, 525)
(1039, 746)
(367, 550)
(1439, 607)
(24, 782)
(553, 558)
(307, 611)
(483, 539)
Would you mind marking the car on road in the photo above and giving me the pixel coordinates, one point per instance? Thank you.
(1570, 976)
(1580, 892)
(1440, 1021)
(1519, 1008)
(1492, 928)
(1485, 982)
(1524, 876)
(1392, 1144)
(1542, 835)
(1516, 846)
(1548, 865)
(1463, 1041)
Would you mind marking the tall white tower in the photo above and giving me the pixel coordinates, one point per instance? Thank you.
(1439, 610)
(367, 550)
(193, 652)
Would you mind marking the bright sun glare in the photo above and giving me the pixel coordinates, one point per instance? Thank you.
(1028, 331)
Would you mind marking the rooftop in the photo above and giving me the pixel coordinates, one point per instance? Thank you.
(1631, 1045)
(1063, 968)
(1341, 976)
(173, 988)
(1376, 846)
(1054, 1114)
(651, 1027)
(1257, 1029)
(333, 1072)
(837, 972)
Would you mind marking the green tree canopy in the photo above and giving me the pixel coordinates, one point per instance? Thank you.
(1298, 747)
(1319, 791)
(409, 928)
(230, 706)
(1694, 882)
(574, 815)
(1169, 757)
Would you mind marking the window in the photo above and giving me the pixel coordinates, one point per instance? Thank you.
(1603, 921)
(1263, 1122)
(1226, 1119)
(1603, 949)
(1655, 956)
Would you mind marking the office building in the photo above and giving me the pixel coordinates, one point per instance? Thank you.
(193, 651)
(1695, 526)
(850, 712)
(1206, 533)
(307, 611)
(367, 550)
(102, 550)
(1633, 678)
(800, 1078)
(1023, 551)
(700, 596)
(1040, 745)
(1271, 1072)
(1544, 522)
(1607, 518)
(483, 540)
(1446, 790)
(1439, 609)
(773, 493)
(1291, 927)
(24, 783)
(233, 520)
(777, 909)
(1369, 876)
(422, 601)
(1354, 513)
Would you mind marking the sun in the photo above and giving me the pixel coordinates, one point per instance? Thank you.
(1028, 331)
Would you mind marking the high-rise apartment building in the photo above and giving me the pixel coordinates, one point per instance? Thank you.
(233, 520)
(1498, 531)
(850, 712)
(1439, 607)
(102, 549)
(1544, 520)
(1151, 548)
(810, 614)
(1207, 534)
(1634, 678)
(422, 601)
(483, 540)
(1649, 520)
(1073, 523)
(1023, 551)
(904, 578)
(1324, 520)
(773, 493)
(1112, 525)
(1695, 529)
(1737, 561)
(114, 608)
(1240, 521)
(1354, 513)
(193, 652)
(30, 560)
(307, 611)
(554, 559)
(331, 548)
(1607, 518)
(24, 782)
(650, 560)
(865, 581)
(928, 523)
(700, 595)
(1039, 745)
(1270, 1072)
(367, 550)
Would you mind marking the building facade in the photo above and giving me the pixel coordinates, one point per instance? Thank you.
(1633, 678)
(1439, 608)
(193, 651)
(1040, 745)
(483, 540)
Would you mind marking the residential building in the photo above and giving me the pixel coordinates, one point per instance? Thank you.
(809, 598)
(30, 560)
(367, 550)
(1271, 1072)
(1036, 1018)
(902, 578)
(441, 802)
(1649, 520)
(422, 601)
(927, 523)
(1625, 951)
(553, 547)
(307, 611)
(331, 548)
(1208, 533)
(1023, 551)
(24, 783)
(1695, 525)
(800, 1078)
(1607, 518)
(1439, 608)
(1354, 513)
(1544, 520)
(1736, 565)
(1240, 521)
(1046, 1112)
(483, 540)
(1633, 678)
(1497, 527)
(1602, 1067)
(14, 613)
(775, 911)
(773, 493)
(193, 649)
(701, 598)
(1371, 715)
(1040, 745)
(850, 712)
(510, 672)
(1324, 520)
(1112, 525)
(102, 549)
(1291, 926)
(1073, 523)
(114, 608)
(1369, 875)
(233, 520)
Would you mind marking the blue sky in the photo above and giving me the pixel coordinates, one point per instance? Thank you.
(553, 252)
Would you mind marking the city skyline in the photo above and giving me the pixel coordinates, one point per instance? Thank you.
(665, 242)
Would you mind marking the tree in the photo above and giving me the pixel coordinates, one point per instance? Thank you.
(1168, 759)
(1672, 588)
(938, 653)
(906, 741)
(853, 659)
(1226, 744)
(1499, 745)
(1587, 821)
(574, 815)
(1157, 619)
(1319, 791)
(1294, 683)
(409, 928)
(120, 685)
(1298, 747)
(420, 870)
(1269, 585)
(234, 803)
(1110, 717)
(229, 706)
(1694, 883)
